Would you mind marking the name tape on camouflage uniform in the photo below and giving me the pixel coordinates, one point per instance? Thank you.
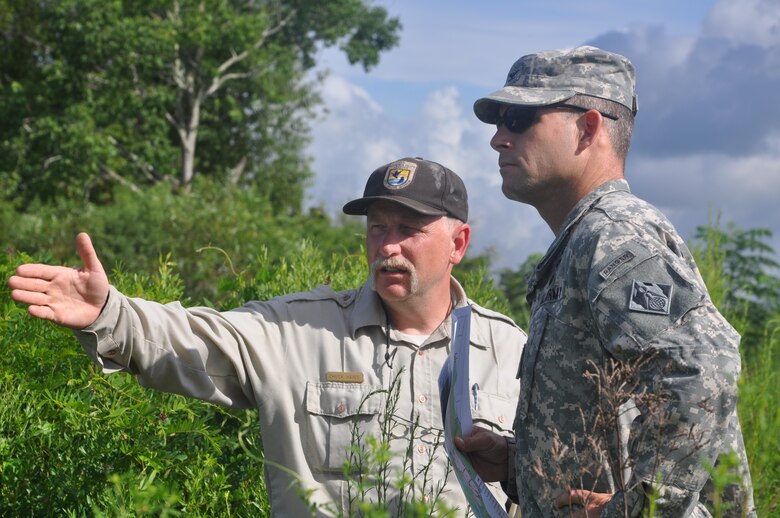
(612, 266)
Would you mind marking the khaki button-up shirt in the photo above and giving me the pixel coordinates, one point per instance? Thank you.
(314, 364)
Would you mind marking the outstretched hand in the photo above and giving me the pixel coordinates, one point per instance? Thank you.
(68, 296)
(487, 452)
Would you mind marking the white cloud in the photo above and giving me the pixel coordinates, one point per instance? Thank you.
(745, 22)
(355, 138)
(339, 94)
(694, 189)
(707, 139)
(349, 141)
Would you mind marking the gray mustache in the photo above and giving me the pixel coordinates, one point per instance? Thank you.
(398, 263)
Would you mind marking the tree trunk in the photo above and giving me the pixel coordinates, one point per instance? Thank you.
(189, 139)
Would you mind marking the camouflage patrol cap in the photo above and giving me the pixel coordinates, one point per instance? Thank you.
(424, 186)
(553, 76)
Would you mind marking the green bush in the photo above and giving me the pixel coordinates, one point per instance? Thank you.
(73, 441)
(759, 413)
(759, 395)
(134, 231)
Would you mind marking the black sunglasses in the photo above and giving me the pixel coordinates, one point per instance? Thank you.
(517, 119)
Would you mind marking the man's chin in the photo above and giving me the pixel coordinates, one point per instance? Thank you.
(391, 292)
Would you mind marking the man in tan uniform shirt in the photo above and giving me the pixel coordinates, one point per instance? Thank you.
(318, 365)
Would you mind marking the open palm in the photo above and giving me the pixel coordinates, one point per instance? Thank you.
(68, 296)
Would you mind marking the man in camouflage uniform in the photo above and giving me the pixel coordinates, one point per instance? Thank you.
(629, 376)
(320, 366)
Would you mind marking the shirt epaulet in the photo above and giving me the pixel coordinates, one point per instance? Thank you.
(320, 293)
(492, 315)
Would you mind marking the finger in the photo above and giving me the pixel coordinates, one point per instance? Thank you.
(44, 312)
(87, 253)
(28, 284)
(30, 297)
(568, 498)
(468, 444)
(38, 271)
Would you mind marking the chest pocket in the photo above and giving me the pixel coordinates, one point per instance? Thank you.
(494, 411)
(338, 418)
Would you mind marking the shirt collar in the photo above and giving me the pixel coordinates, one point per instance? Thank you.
(572, 218)
(368, 311)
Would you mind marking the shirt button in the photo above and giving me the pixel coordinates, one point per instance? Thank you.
(422, 398)
(501, 419)
(421, 448)
(341, 408)
(420, 352)
(110, 353)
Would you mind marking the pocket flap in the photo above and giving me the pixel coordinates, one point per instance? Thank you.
(496, 410)
(343, 399)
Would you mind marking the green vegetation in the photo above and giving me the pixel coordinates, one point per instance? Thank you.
(96, 93)
(73, 442)
(740, 271)
(174, 133)
(210, 232)
(103, 445)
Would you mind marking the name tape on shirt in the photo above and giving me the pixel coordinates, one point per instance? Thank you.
(345, 377)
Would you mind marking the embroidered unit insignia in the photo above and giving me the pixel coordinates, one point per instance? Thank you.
(649, 297)
(400, 175)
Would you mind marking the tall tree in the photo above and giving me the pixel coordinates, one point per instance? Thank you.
(741, 270)
(95, 92)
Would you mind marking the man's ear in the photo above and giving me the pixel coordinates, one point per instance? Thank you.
(461, 235)
(591, 126)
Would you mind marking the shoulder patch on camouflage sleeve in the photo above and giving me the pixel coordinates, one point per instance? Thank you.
(650, 297)
(642, 302)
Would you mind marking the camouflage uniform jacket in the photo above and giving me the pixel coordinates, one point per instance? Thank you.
(629, 373)
(314, 366)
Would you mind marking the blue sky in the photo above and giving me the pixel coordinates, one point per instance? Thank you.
(707, 139)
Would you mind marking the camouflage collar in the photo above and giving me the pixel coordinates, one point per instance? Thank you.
(590, 199)
(574, 216)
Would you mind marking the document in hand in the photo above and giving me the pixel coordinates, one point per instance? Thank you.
(455, 397)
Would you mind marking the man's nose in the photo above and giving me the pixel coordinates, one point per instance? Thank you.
(391, 243)
(500, 139)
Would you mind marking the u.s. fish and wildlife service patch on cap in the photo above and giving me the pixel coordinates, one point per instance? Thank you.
(400, 174)
(650, 297)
